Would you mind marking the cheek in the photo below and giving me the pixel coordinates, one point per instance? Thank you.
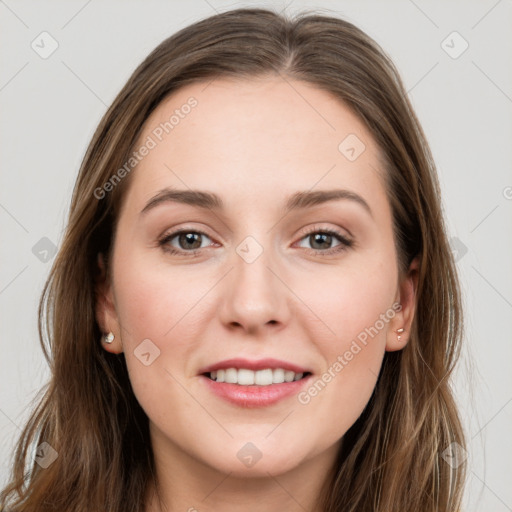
(354, 301)
(156, 309)
(356, 306)
(152, 299)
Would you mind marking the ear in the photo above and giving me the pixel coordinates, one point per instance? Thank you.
(105, 310)
(406, 298)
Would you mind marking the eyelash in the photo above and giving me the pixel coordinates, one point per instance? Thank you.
(345, 243)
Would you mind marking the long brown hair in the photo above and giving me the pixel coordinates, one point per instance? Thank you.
(390, 460)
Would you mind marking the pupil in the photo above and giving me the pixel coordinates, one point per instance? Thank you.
(190, 238)
(324, 236)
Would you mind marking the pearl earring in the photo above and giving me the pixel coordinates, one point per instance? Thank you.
(399, 331)
(108, 338)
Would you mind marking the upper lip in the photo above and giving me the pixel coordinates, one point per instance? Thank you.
(260, 364)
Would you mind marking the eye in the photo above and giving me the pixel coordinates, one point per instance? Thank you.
(321, 239)
(189, 242)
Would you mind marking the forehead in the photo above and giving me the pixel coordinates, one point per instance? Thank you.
(259, 138)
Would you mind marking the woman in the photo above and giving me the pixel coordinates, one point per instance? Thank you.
(299, 351)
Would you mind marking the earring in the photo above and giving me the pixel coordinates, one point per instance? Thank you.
(108, 338)
(399, 331)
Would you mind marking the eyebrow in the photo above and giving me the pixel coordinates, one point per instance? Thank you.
(210, 201)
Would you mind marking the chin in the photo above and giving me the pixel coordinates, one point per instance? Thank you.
(257, 458)
(261, 468)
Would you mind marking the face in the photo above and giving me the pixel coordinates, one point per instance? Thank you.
(289, 274)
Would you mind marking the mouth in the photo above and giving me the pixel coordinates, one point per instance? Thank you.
(254, 383)
(251, 384)
(247, 377)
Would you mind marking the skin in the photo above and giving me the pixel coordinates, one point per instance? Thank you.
(254, 143)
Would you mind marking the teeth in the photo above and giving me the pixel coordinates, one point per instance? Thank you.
(245, 377)
(231, 376)
(278, 376)
(263, 377)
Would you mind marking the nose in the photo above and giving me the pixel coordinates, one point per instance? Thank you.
(254, 299)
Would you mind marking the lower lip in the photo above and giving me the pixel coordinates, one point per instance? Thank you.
(255, 396)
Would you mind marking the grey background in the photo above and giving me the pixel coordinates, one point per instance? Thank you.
(50, 108)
